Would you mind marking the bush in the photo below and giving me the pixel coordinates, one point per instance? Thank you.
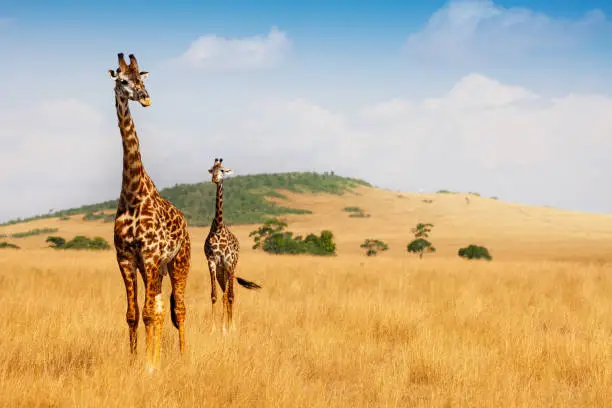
(273, 238)
(92, 216)
(475, 252)
(36, 231)
(356, 212)
(372, 246)
(8, 245)
(79, 242)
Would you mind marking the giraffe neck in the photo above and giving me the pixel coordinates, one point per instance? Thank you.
(133, 170)
(218, 221)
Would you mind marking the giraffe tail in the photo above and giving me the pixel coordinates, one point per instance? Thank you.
(172, 312)
(247, 284)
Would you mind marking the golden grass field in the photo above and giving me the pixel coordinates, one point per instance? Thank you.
(530, 329)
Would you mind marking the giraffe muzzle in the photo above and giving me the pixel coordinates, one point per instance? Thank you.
(145, 101)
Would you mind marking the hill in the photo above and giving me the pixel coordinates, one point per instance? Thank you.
(511, 231)
(245, 198)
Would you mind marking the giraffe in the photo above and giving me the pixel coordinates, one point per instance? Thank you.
(221, 248)
(150, 234)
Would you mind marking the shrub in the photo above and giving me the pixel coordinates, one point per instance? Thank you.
(36, 231)
(92, 216)
(5, 244)
(273, 238)
(79, 242)
(56, 242)
(420, 246)
(352, 209)
(372, 246)
(475, 252)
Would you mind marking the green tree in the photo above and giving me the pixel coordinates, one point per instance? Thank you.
(422, 230)
(372, 246)
(420, 246)
(270, 227)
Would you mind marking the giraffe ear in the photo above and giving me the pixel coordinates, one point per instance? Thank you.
(210, 171)
(112, 74)
(144, 75)
(227, 171)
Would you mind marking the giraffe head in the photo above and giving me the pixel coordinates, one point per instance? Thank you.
(129, 81)
(218, 171)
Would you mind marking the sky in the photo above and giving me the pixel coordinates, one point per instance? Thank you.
(506, 98)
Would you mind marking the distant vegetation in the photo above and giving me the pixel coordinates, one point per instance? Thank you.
(245, 197)
(92, 216)
(372, 246)
(356, 212)
(456, 192)
(78, 242)
(420, 245)
(5, 244)
(36, 231)
(273, 238)
(475, 252)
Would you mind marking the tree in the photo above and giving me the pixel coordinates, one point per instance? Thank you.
(422, 230)
(420, 246)
(373, 246)
(269, 228)
(475, 252)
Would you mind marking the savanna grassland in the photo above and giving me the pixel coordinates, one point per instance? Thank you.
(532, 328)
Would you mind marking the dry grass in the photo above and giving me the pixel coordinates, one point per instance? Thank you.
(347, 331)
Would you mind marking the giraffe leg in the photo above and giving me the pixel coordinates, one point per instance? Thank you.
(213, 292)
(226, 310)
(153, 314)
(222, 277)
(230, 301)
(178, 270)
(127, 265)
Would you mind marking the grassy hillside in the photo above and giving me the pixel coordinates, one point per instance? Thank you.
(245, 198)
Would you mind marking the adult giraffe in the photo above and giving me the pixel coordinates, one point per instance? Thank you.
(150, 233)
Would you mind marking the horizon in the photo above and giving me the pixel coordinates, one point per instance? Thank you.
(505, 98)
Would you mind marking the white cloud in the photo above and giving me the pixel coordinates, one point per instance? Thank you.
(214, 52)
(469, 31)
(480, 135)
(54, 154)
(478, 132)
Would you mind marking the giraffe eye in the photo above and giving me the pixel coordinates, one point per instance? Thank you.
(124, 82)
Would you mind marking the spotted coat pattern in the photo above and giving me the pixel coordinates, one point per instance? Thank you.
(150, 234)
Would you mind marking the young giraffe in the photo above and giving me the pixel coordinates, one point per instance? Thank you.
(150, 233)
(221, 249)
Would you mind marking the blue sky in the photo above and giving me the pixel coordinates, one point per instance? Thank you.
(509, 98)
